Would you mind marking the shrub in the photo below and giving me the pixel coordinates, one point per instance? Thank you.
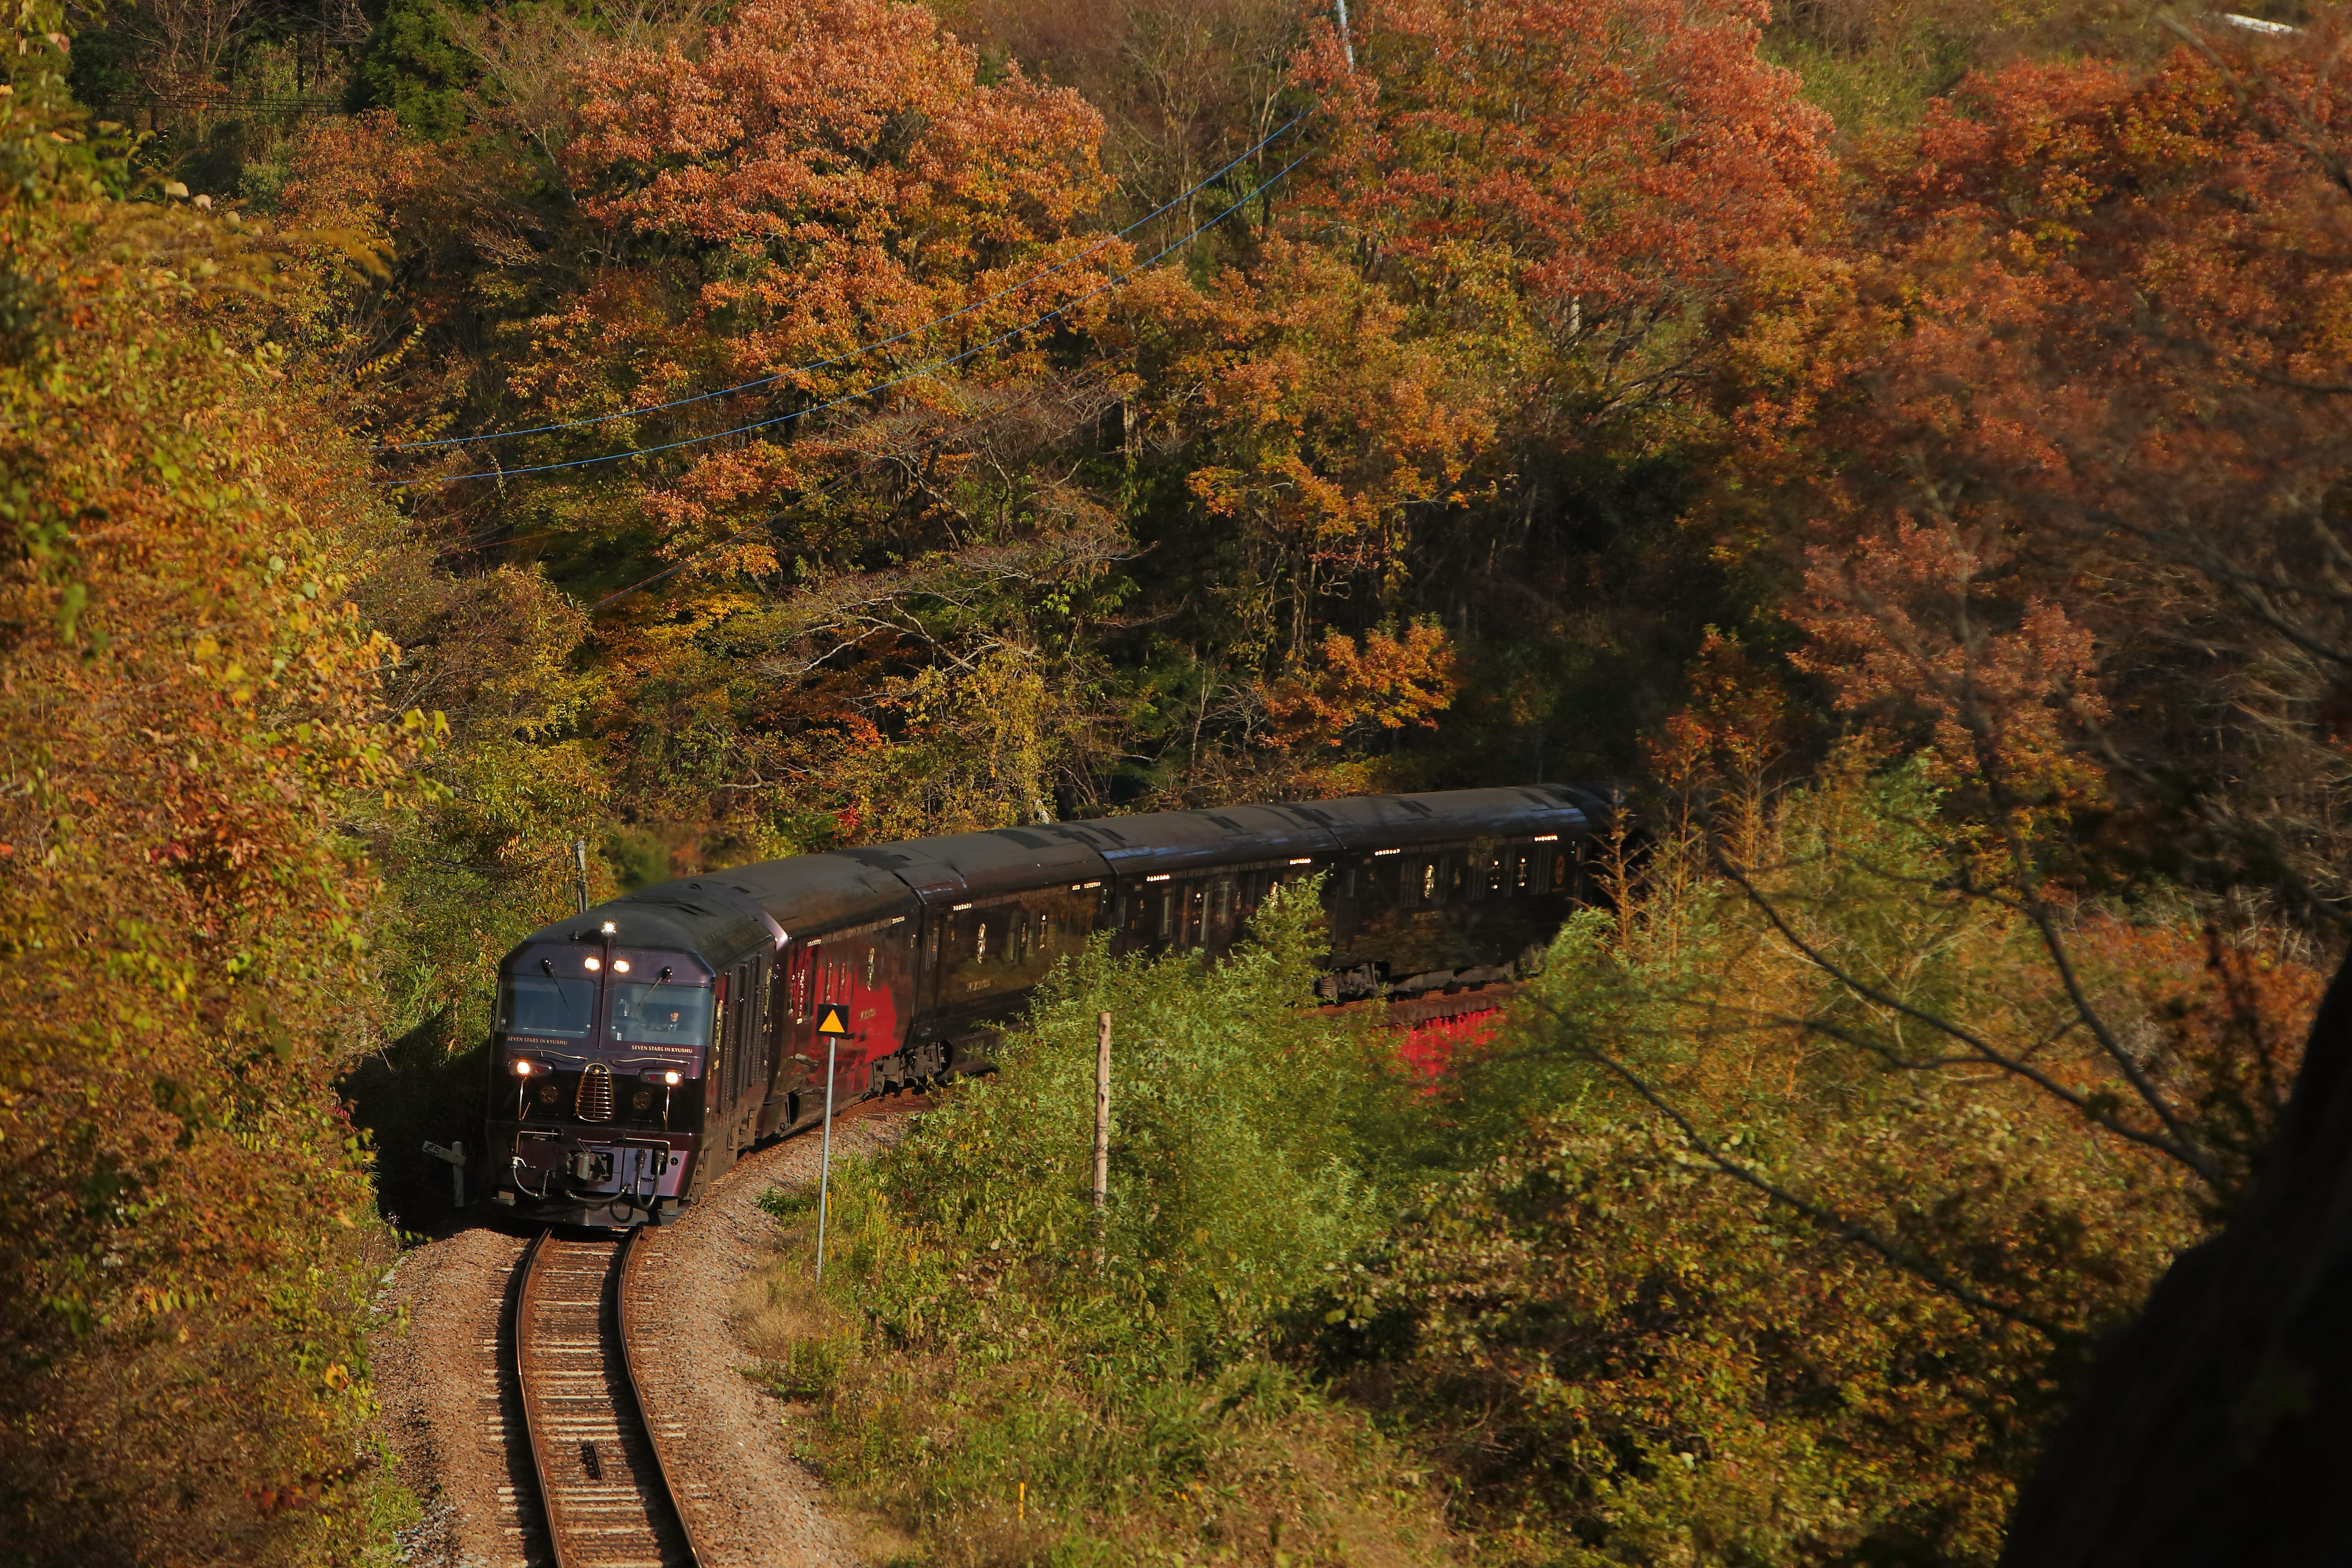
(996, 1394)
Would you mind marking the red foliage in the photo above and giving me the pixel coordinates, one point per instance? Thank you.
(1736, 723)
(1431, 1048)
(2064, 398)
(1622, 152)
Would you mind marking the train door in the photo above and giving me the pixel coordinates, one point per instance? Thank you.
(929, 946)
(1223, 918)
(797, 1029)
(717, 1071)
(749, 1047)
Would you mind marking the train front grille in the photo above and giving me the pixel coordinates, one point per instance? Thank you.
(595, 1101)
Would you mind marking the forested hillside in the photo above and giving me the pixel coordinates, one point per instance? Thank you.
(1905, 444)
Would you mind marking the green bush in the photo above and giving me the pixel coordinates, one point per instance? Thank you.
(996, 1393)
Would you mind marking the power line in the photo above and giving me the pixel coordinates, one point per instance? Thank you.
(916, 375)
(868, 348)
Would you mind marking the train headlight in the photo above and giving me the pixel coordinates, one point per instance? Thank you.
(523, 1070)
(610, 928)
(671, 1078)
(620, 966)
(593, 964)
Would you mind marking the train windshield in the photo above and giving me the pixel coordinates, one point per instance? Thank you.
(660, 1014)
(548, 1005)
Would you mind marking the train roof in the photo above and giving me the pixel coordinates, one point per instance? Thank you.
(719, 917)
(1401, 821)
(667, 919)
(981, 865)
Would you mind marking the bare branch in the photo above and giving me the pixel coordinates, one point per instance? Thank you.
(2195, 1158)
(1838, 1225)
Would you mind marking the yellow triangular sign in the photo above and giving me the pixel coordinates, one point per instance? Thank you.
(829, 1021)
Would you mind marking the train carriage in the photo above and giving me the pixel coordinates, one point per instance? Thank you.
(642, 1045)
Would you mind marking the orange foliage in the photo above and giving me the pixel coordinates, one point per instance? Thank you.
(850, 175)
(1736, 722)
(1388, 683)
(2221, 1019)
(1330, 415)
(1627, 155)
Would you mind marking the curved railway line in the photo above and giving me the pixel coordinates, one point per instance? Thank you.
(606, 1498)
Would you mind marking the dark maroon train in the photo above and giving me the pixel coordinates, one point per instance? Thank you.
(642, 1045)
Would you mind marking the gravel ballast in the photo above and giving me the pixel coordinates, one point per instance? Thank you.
(455, 1431)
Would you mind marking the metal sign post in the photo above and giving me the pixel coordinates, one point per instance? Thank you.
(832, 1026)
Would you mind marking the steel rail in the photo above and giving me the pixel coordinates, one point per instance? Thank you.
(586, 1523)
(665, 1466)
(522, 1300)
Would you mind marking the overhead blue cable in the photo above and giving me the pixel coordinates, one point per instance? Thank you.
(915, 374)
(863, 350)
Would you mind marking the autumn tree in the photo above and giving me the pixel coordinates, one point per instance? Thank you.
(1578, 176)
(1183, 90)
(191, 743)
(2076, 370)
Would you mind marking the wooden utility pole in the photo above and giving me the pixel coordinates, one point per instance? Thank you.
(1102, 1128)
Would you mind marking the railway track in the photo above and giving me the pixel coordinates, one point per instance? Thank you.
(605, 1496)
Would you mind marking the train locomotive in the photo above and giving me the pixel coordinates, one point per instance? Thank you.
(642, 1045)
